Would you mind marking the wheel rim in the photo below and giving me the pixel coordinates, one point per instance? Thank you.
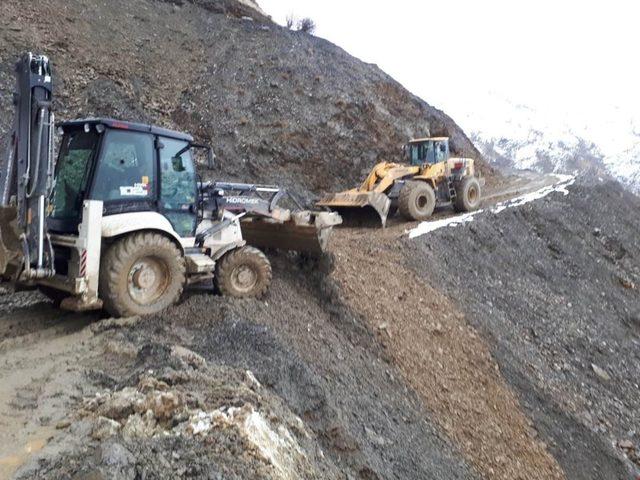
(244, 278)
(148, 280)
(421, 202)
(472, 194)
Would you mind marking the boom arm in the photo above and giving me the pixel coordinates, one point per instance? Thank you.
(27, 172)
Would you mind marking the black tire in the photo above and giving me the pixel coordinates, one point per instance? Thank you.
(416, 201)
(141, 274)
(53, 294)
(243, 273)
(468, 195)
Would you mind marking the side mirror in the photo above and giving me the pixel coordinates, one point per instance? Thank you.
(211, 159)
(177, 164)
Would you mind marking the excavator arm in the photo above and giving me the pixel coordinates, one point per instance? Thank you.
(26, 175)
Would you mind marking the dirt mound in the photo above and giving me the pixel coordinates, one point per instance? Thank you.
(305, 346)
(442, 358)
(553, 287)
(278, 106)
(167, 413)
(297, 369)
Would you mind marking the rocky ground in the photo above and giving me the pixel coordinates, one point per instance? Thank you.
(503, 348)
(344, 369)
(553, 286)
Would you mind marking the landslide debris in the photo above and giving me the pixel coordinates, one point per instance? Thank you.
(440, 356)
(552, 287)
(304, 345)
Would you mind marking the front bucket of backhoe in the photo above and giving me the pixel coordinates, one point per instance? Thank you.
(359, 208)
(10, 251)
(305, 231)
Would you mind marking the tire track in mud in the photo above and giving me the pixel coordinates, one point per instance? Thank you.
(441, 357)
(41, 349)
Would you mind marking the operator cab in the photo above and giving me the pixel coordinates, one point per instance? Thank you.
(131, 167)
(428, 151)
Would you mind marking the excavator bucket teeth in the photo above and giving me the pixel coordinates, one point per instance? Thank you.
(359, 207)
(10, 250)
(305, 231)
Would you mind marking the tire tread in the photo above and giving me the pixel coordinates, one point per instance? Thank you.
(115, 261)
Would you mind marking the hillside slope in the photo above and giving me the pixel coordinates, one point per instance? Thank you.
(553, 286)
(278, 106)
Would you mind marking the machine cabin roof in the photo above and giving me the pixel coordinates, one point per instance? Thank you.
(428, 139)
(131, 126)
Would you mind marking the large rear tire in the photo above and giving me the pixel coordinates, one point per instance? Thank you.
(243, 273)
(416, 201)
(141, 274)
(468, 195)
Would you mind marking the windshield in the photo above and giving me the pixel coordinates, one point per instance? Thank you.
(421, 153)
(71, 173)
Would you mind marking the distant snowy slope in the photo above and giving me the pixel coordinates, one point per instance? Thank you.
(512, 135)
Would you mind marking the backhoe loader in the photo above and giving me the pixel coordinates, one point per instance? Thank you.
(431, 179)
(120, 220)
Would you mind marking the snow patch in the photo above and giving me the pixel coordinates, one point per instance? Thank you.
(275, 444)
(561, 186)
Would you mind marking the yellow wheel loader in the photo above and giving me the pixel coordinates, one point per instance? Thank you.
(431, 179)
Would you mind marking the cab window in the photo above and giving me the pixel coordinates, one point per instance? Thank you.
(441, 152)
(126, 167)
(178, 189)
(71, 170)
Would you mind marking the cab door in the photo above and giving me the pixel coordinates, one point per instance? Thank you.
(178, 199)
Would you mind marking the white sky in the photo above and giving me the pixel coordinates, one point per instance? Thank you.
(579, 59)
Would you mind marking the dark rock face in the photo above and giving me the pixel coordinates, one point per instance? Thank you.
(278, 106)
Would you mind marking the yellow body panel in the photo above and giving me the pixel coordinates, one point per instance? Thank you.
(384, 174)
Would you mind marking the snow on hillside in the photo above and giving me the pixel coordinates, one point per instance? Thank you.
(513, 135)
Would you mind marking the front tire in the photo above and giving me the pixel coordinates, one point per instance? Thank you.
(468, 195)
(141, 274)
(243, 273)
(416, 201)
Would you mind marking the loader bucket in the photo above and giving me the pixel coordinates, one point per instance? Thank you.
(10, 250)
(305, 231)
(360, 208)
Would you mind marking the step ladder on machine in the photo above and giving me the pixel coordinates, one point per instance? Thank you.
(452, 189)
